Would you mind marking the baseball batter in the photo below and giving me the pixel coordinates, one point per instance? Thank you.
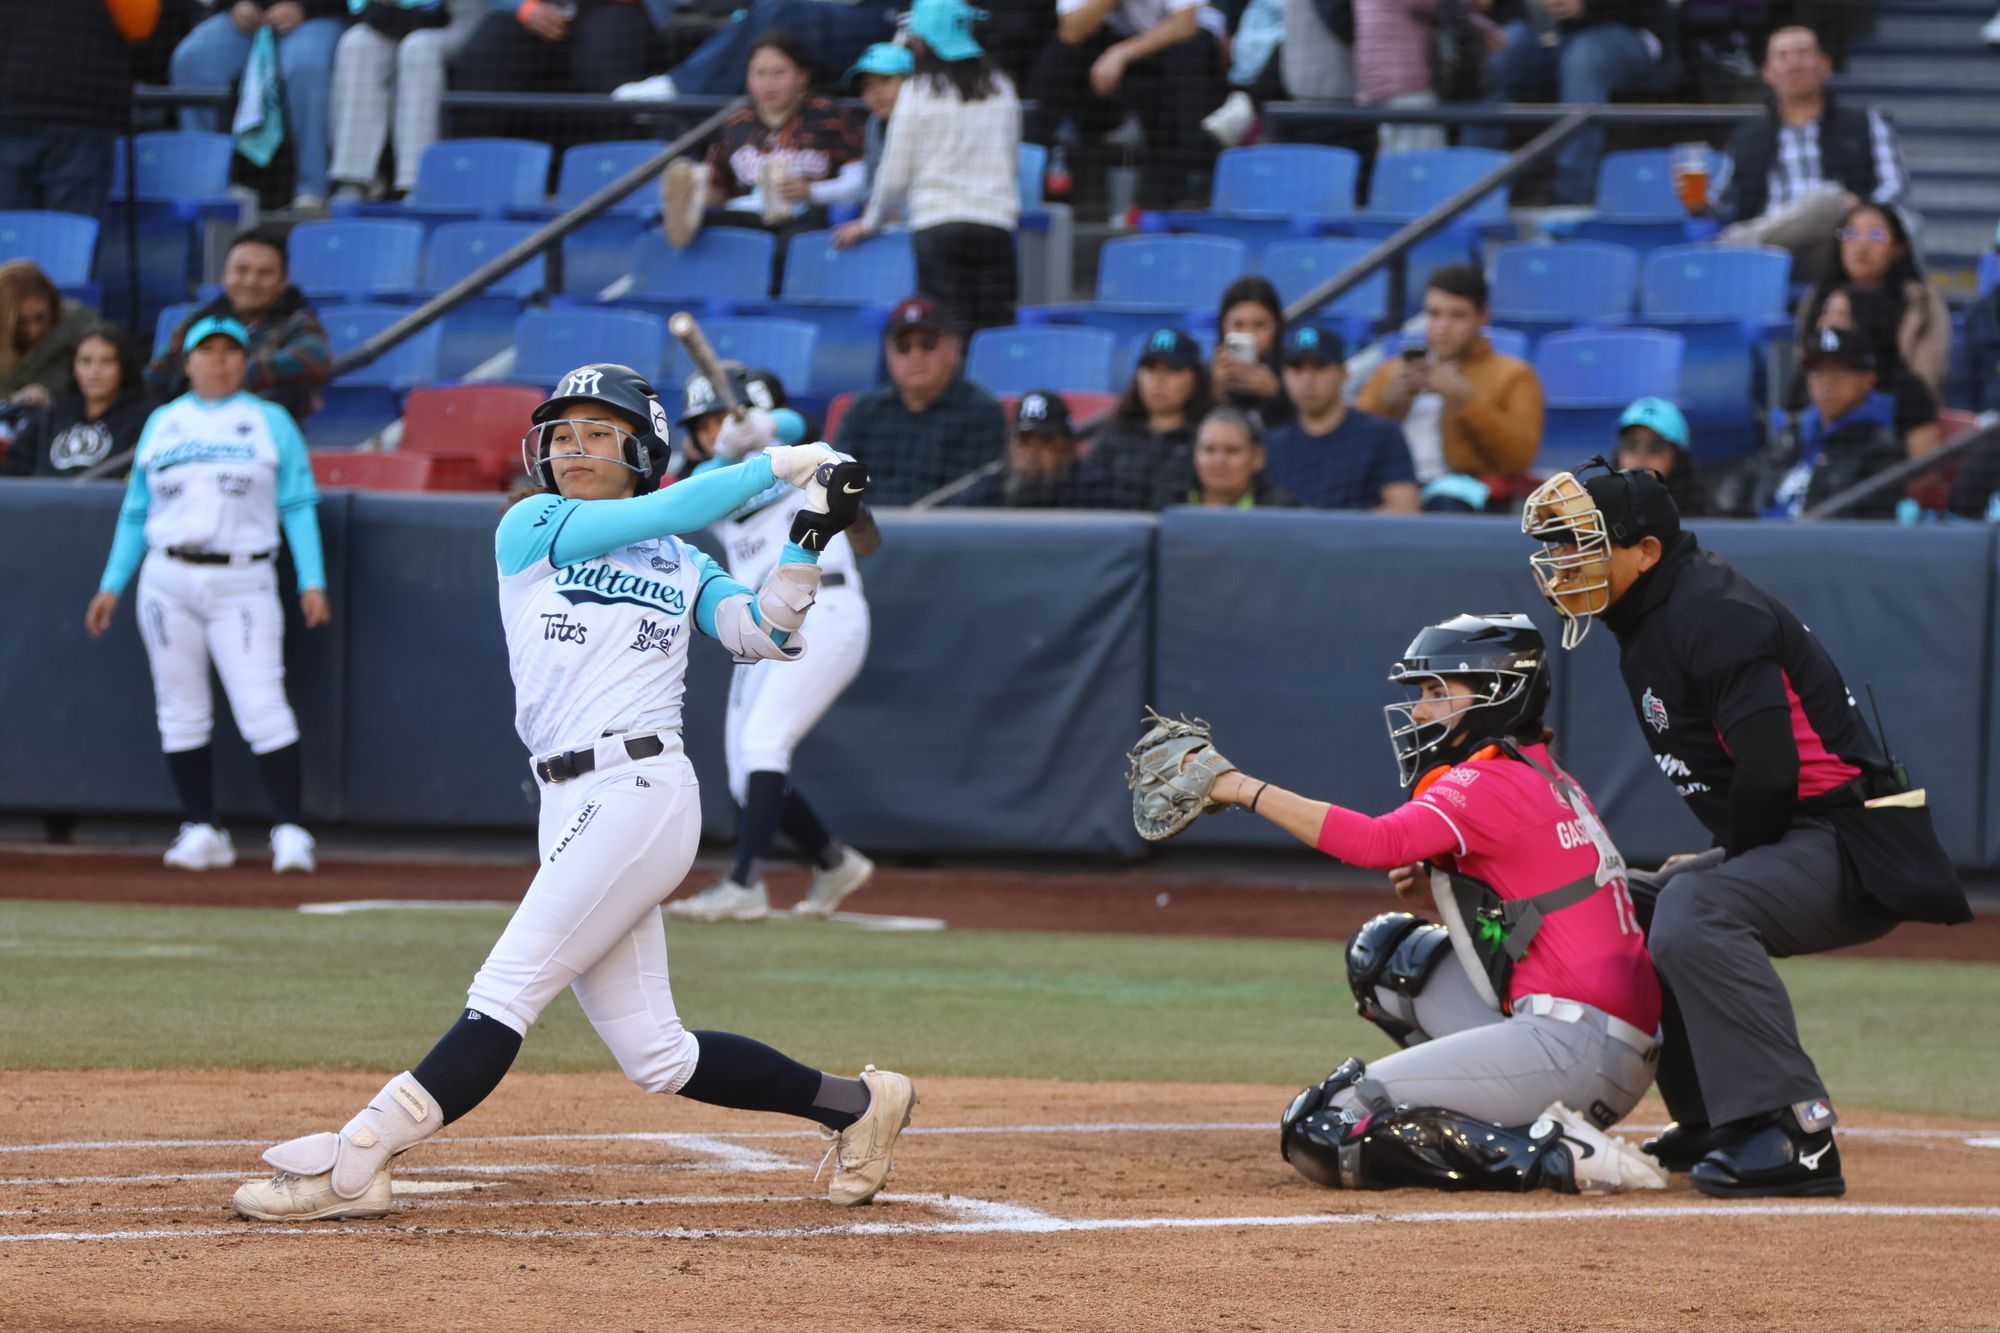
(599, 597)
(772, 707)
(215, 474)
(1530, 1021)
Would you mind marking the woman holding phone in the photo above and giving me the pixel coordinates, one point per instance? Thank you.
(1245, 364)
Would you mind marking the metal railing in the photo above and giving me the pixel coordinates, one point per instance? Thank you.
(1899, 476)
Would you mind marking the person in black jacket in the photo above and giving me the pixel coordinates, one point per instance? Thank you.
(1144, 455)
(101, 420)
(65, 96)
(1819, 841)
(1847, 435)
(1040, 470)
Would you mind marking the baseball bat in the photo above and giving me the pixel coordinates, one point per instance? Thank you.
(687, 331)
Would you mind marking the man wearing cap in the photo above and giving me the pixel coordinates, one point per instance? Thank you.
(1820, 843)
(928, 425)
(876, 79)
(1334, 456)
(1847, 435)
(1040, 470)
(289, 355)
(1653, 433)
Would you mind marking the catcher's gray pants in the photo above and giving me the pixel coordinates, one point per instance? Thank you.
(372, 73)
(1714, 924)
(1472, 1060)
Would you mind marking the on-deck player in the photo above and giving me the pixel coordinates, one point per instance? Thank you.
(599, 599)
(773, 707)
(216, 473)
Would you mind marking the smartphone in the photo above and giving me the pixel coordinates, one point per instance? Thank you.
(1415, 353)
(1242, 346)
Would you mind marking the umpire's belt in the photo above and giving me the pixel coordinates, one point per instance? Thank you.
(575, 763)
(1574, 1011)
(195, 556)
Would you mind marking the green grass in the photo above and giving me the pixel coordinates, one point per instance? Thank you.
(85, 987)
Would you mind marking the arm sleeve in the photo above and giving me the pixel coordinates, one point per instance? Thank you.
(1417, 832)
(566, 531)
(1764, 791)
(1505, 428)
(899, 160)
(128, 540)
(298, 498)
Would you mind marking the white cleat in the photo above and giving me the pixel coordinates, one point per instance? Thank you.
(1604, 1165)
(292, 849)
(861, 1152)
(201, 847)
(727, 901)
(830, 888)
(287, 1197)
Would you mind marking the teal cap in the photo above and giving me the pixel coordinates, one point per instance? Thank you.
(1659, 416)
(882, 58)
(946, 27)
(210, 325)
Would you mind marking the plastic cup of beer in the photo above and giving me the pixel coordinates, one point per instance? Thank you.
(1691, 175)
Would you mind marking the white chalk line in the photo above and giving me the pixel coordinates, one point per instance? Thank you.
(965, 1206)
(518, 1169)
(1044, 1224)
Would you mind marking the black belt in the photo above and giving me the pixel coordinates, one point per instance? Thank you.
(833, 580)
(575, 763)
(193, 556)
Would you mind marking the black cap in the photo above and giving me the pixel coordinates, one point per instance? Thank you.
(1841, 347)
(915, 312)
(1635, 505)
(1314, 342)
(1042, 411)
(1171, 346)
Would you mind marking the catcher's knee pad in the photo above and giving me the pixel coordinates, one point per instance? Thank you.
(1369, 1145)
(1399, 951)
(1310, 1134)
(402, 1115)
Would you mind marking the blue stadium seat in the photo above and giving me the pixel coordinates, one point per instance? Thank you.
(460, 179)
(484, 326)
(1144, 282)
(1027, 357)
(782, 346)
(1589, 376)
(599, 252)
(62, 244)
(175, 166)
(170, 319)
(1296, 267)
(1271, 193)
(182, 183)
(1031, 170)
(1542, 289)
(1636, 201)
(550, 343)
(355, 260)
(1728, 302)
(362, 402)
(720, 264)
(845, 294)
(1406, 185)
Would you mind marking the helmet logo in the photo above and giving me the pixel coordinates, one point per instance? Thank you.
(1655, 711)
(581, 383)
(659, 414)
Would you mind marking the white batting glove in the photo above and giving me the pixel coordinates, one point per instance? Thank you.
(739, 438)
(796, 464)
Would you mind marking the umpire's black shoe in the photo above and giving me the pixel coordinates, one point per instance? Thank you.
(1777, 1158)
(1680, 1146)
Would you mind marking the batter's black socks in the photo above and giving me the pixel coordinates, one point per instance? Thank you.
(283, 780)
(747, 1075)
(764, 796)
(193, 772)
(797, 821)
(468, 1062)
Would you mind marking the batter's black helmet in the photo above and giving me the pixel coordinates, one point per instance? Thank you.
(758, 388)
(1506, 661)
(627, 393)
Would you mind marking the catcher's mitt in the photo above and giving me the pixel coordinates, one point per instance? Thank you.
(1173, 766)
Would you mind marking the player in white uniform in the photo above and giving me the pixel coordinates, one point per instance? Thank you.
(599, 599)
(215, 473)
(773, 707)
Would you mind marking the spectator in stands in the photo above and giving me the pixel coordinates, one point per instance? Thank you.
(928, 425)
(1869, 313)
(100, 419)
(214, 54)
(392, 64)
(1144, 455)
(1255, 72)
(1653, 434)
(1577, 51)
(1847, 435)
(1978, 355)
(1335, 456)
(1316, 59)
(1875, 255)
(1245, 362)
(550, 46)
(1229, 464)
(952, 160)
(1463, 406)
(777, 164)
(1788, 178)
(877, 79)
(1040, 470)
(65, 96)
(289, 356)
(835, 31)
(1393, 44)
(39, 331)
(1152, 58)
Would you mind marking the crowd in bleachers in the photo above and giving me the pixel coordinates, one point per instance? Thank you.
(873, 256)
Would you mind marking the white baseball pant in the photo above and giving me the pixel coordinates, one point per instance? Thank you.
(615, 843)
(190, 615)
(775, 705)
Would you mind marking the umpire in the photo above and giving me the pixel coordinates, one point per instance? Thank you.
(1820, 843)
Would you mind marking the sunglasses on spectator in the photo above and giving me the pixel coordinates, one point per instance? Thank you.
(905, 343)
(1875, 234)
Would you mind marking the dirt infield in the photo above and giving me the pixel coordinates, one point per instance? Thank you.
(1126, 900)
(570, 1199)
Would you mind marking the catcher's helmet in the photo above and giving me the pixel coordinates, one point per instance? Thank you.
(757, 388)
(626, 392)
(1505, 660)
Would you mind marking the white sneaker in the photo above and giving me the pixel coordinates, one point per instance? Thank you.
(727, 901)
(861, 1151)
(292, 849)
(201, 847)
(659, 88)
(830, 888)
(292, 1198)
(1604, 1165)
(308, 203)
(1990, 34)
(683, 195)
(1228, 123)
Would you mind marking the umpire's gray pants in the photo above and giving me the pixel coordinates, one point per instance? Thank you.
(1715, 925)
(1469, 1059)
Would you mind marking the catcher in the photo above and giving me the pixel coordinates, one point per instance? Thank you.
(1535, 997)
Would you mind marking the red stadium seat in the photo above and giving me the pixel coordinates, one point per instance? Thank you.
(473, 430)
(368, 470)
(835, 410)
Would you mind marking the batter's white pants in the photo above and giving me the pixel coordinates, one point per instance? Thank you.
(775, 705)
(371, 74)
(190, 615)
(615, 843)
